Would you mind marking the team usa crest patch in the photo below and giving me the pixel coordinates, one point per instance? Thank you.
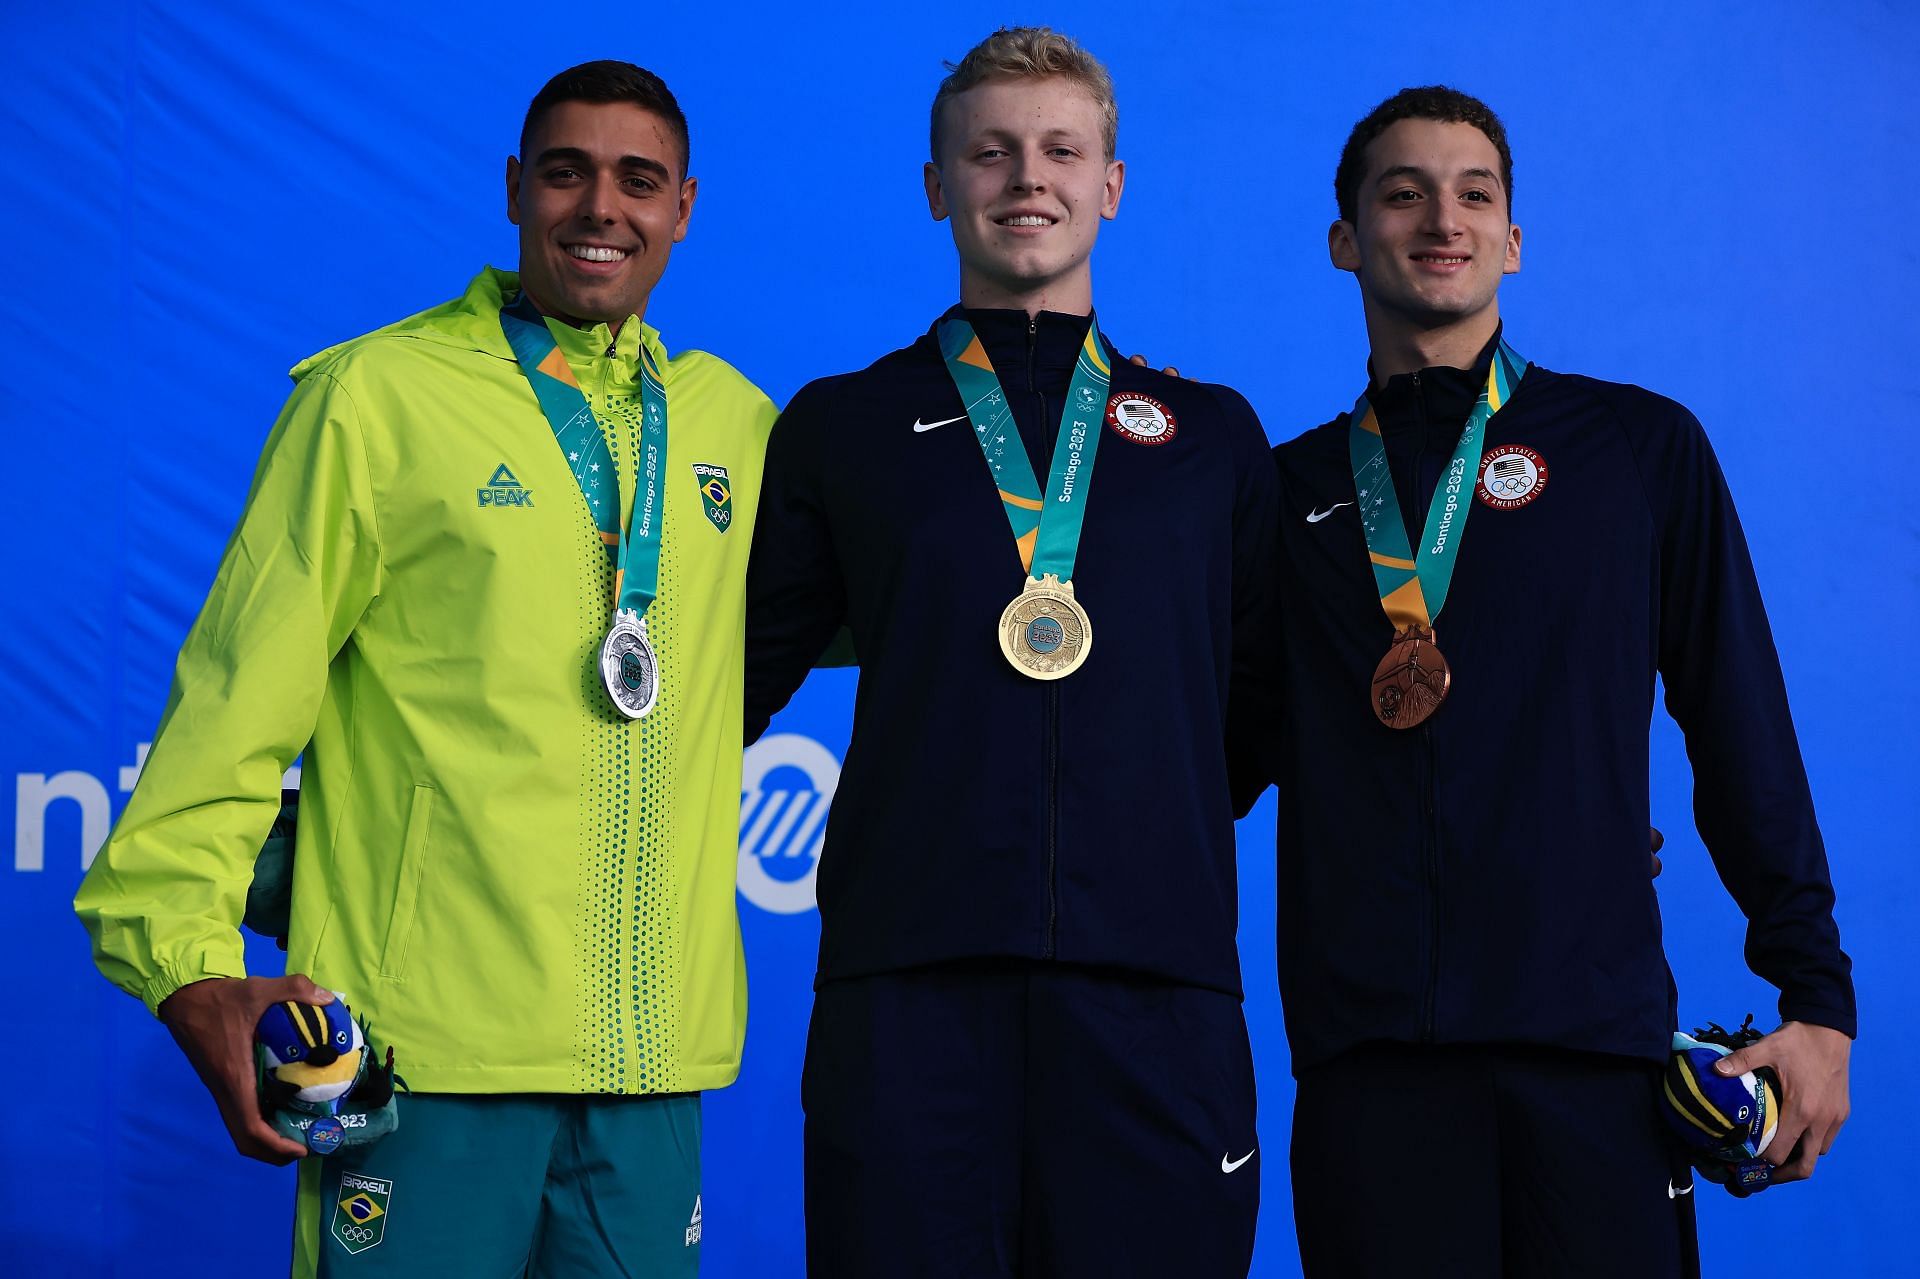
(360, 1215)
(1141, 418)
(717, 492)
(1511, 475)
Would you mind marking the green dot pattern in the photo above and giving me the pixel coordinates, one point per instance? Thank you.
(628, 942)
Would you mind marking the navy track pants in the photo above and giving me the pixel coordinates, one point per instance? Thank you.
(1038, 1120)
(1487, 1162)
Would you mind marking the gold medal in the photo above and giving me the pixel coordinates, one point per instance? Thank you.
(1045, 633)
(1411, 680)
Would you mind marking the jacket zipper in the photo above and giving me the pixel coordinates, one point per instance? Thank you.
(1053, 820)
(1430, 850)
(604, 416)
(1053, 713)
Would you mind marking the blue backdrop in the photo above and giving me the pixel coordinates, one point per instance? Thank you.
(1714, 203)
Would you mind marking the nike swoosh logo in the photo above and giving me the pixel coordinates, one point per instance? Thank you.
(919, 426)
(1675, 1194)
(1317, 516)
(1227, 1165)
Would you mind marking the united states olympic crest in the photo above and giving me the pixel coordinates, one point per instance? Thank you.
(1141, 418)
(787, 782)
(1510, 476)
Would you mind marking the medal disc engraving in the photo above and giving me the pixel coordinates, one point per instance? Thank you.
(628, 666)
(1045, 633)
(1411, 681)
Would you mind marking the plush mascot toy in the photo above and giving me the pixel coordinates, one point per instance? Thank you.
(1725, 1122)
(319, 1082)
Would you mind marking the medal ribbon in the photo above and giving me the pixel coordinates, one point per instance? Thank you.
(584, 445)
(1047, 532)
(1414, 591)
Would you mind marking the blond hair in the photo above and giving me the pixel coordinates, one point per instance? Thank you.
(1030, 53)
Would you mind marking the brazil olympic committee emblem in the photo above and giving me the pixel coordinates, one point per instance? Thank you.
(1511, 475)
(717, 492)
(360, 1213)
(1140, 418)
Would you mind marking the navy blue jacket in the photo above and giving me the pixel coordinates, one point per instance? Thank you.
(1485, 877)
(981, 813)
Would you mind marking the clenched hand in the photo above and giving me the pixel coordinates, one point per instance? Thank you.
(213, 1021)
(1812, 1064)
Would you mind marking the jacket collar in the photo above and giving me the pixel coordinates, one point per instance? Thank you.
(471, 322)
(1438, 397)
(1047, 344)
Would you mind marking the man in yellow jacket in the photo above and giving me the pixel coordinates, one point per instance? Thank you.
(490, 580)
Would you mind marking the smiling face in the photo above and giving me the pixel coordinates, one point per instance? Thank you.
(1023, 173)
(600, 201)
(1430, 239)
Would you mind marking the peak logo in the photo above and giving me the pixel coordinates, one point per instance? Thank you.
(786, 787)
(503, 491)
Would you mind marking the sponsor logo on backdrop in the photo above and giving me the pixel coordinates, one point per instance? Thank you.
(36, 800)
(786, 786)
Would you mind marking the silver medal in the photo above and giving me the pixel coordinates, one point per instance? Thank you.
(628, 667)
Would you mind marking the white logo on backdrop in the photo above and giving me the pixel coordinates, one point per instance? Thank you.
(786, 786)
(35, 794)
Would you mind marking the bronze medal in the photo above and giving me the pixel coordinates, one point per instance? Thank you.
(1411, 680)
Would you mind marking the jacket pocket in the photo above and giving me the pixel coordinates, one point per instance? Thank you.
(406, 892)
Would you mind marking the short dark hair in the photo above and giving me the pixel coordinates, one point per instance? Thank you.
(611, 81)
(1428, 102)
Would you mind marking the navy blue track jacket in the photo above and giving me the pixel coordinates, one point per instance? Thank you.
(1485, 877)
(982, 813)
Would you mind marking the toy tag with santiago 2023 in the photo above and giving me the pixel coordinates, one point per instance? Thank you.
(320, 1082)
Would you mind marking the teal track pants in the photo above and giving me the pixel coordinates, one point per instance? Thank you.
(510, 1185)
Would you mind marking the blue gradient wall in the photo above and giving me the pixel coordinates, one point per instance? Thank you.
(1716, 202)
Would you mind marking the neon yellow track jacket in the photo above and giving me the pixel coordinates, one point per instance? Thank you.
(523, 890)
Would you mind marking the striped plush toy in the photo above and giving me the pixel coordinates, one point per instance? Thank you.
(1726, 1122)
(319, 1083)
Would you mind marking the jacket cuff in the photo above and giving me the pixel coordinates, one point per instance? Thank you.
(173, 976)
(1817, 1014)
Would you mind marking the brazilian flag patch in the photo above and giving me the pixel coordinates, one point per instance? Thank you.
(717, 492)
(360, 1217)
